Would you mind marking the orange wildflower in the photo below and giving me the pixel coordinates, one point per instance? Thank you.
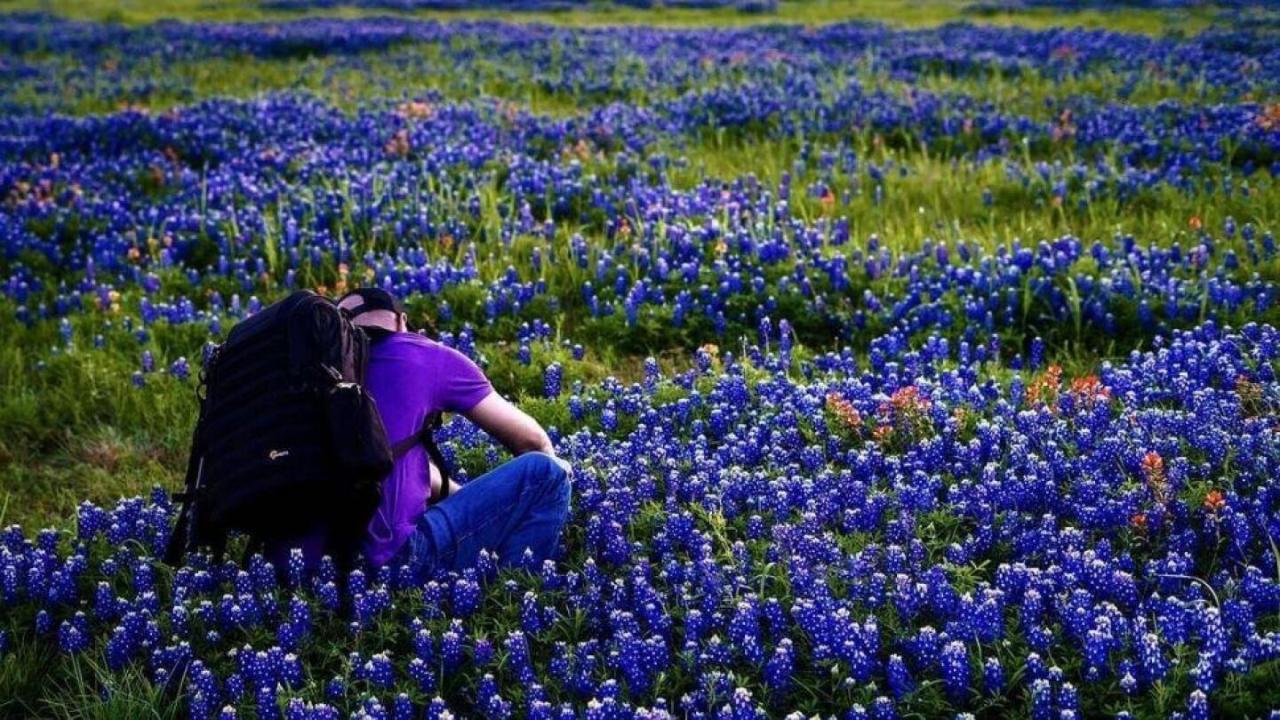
(1152, 466)
(415, 110)
(1214, 501)
(908, 399)
(1044, 387)
(1065, 128)
(1269, 118)
(398, 144)
(844, 411)
(1153, 473)
(1090, 389)
(906, 409)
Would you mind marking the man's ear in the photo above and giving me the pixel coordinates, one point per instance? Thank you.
(402, 322)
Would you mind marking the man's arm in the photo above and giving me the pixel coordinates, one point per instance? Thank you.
(513, 427)
(510, 426)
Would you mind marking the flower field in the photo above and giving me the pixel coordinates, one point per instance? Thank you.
(907, 370)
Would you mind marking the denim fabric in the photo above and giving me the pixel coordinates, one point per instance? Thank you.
(520, 505)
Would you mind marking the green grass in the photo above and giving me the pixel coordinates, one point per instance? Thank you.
(940, 200)
(49, 685)
(72, 428)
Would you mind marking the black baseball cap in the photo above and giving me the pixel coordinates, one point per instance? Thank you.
(371, 298)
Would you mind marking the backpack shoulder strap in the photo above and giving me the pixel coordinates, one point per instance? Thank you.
(426, 438)
(187, 531)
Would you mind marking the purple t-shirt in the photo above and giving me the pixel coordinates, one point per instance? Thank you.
(409, 377)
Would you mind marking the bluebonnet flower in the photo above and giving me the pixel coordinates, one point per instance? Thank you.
(437, 710)
(652, 373)
(466, 595)
(552, 378)
(378, 671)
(899, 677)
(780, 667)
(180, 369)
(44, 622)
(1041, 700)
(882, 708)
(73, 634)
(492, 705)
(993, 680)
(451, 647)
(335, 689)
(955, 671)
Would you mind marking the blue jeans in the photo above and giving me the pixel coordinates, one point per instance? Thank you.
(522, 504)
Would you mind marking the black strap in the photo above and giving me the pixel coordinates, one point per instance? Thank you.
(426, 438)
(182, 539)
(176, 548)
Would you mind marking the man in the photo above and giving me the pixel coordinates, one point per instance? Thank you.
(520, 506)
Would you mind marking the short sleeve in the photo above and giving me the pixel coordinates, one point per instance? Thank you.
(461, 384)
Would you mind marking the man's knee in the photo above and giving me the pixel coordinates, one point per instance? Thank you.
(545, 470)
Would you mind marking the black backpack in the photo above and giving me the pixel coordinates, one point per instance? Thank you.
(288, 440)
